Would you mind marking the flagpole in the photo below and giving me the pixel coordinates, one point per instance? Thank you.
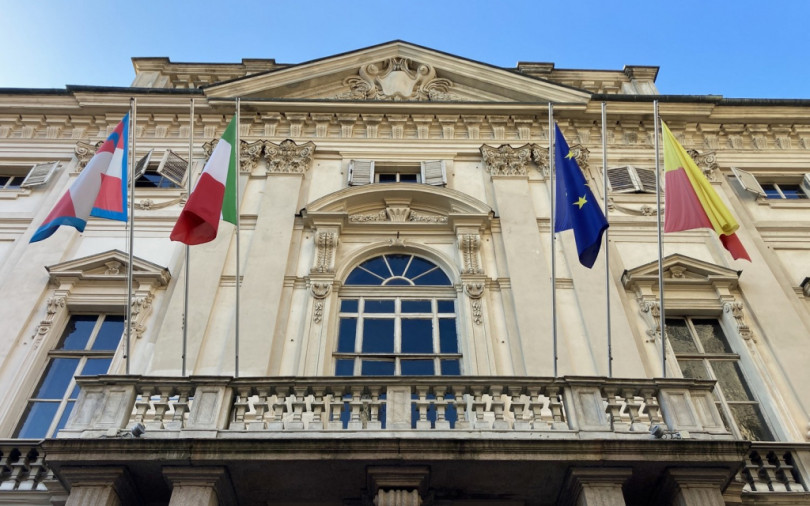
(607, 231)
(133, 108)
(662, 320)
(188, 248)
(238, 164)
(551, 134)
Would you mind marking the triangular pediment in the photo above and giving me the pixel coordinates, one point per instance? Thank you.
(681, 269)
(397, 71)
(108, 266)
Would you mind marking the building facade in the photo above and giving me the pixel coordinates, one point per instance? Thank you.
(394, 341)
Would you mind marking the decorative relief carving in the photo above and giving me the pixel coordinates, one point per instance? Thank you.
(53, 306)
(113, 268)
(151, 205)
(249, 155)
(288, 157)
(84, 151)
(326, 243)
(636, 210)
(141, 307)
(540, 157)
(506, 160)
(706, 161)
(320, 290)
(426, 218)
(317, 312)
(475, 291)
(398, 214)
(477, 312)
(651, 310)
(470, 245)
(736, 310)
(366, 217)
(397, 79)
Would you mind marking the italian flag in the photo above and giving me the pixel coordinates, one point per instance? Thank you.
(690, 200)
(214, 195)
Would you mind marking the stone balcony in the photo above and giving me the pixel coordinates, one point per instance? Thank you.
(492, 407)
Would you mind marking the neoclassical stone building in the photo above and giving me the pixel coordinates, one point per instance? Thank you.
(395, 337)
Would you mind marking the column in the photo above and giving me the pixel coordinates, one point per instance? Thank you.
(199, 486)
(594, 487)
(698, 487)
(99, 486)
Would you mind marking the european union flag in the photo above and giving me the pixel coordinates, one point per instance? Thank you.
(576, 206)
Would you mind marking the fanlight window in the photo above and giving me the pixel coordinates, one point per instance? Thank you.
(397, 318)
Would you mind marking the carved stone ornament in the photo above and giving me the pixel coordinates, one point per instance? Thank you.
(84, 151)
(540, 157)
(317, 312)
(320, 290)
(53, 306)
(249, 155)
(652, 314)
(288, 157)
(113, 268)
(474, 290)
(400, 214)
(326, 243)
(736, 310)
(470, 245)
(633, 210)
(506, 160)
(397, 79)
(141, 307)
(706, 161)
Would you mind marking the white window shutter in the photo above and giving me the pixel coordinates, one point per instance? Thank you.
(434, 172)
(748, 181)
(39, 174)
(361, 172)
(646, 179)
(142, 165)
(622, 180)
(173, 167)
(805, 184)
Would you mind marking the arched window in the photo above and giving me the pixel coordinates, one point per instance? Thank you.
(397, 317)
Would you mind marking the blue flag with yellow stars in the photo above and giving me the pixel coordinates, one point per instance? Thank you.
(576, 206)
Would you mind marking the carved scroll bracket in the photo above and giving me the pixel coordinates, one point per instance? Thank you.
(735, 310)
(53, 306)
(326, 243)
(470, 246)
(651, 311)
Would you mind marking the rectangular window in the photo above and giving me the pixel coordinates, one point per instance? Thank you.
(397, 337)
(166, 172)
(86, 347)
(432, 172)
(785, 187)
(630, 179)
(704, 352)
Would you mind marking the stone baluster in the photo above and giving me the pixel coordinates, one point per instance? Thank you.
(261, 407)
(356, 406)
(142, 403)
(422, 405)
(161, 405)
(770, 467)
(442, 423)
(757, 482)
(613, 408)
(240, 408)
(460, 403)
(498, 405)
(11, 467)
(276, 421)
(181, 409)
(536, 404)
(336, 405)
(318, 406)
(374, 421)
(479, 408)
(519, 407)
(555, 405)
(33, 466)
(785, 472)
(651, 406)
(298, 405)
(633, 410)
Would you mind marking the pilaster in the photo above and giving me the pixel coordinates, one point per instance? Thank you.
(594, 487)
(99, 486)
(199, 486)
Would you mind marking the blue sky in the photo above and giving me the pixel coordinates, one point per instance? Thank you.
(741, 49)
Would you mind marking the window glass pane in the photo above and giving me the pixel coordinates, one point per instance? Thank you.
(109, 335)
(38, 419)
(417, 367)
(792, 191)
(409, 178)
(679, 337)
(78, 331)
(387, 178)
(447, 306)
(450, 368)
(348, 305)
(377, 266)
(379, 306)
(398, 263)
(433, 278)
(448, 341)
(344, 367)
(416, 306)
(347, 334)
(377, 368)
(378, 336)
(693, 369)
(711, 336)
(771, 192)
(750, 422)
(731, 380)
(64, 418)
(362, 277)
(419, 266)
(417, 336)
(57, 377)
(95, 366)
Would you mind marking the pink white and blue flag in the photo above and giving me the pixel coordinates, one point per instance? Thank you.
(100, 190)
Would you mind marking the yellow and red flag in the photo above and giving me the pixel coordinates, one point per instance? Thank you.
(690, 200)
